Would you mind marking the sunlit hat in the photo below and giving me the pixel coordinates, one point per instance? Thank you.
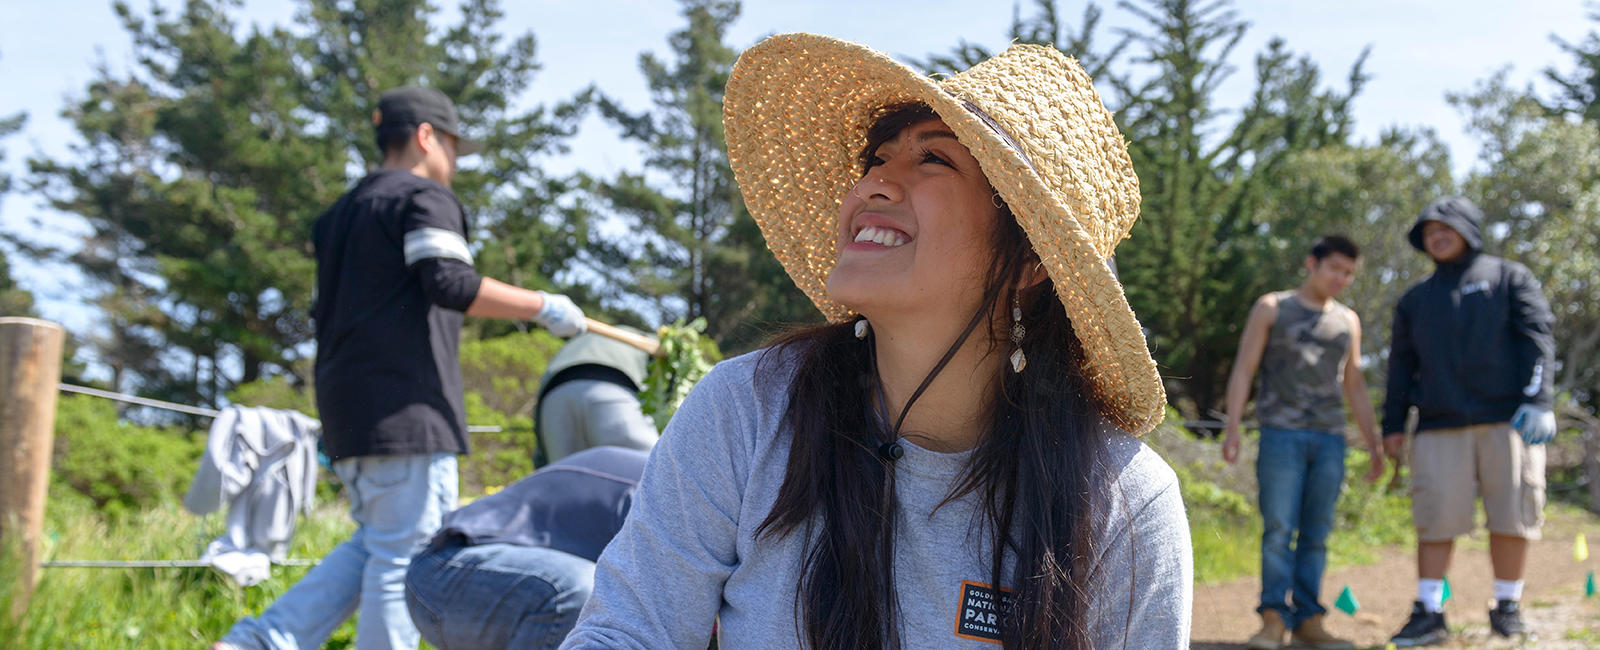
(797, 110)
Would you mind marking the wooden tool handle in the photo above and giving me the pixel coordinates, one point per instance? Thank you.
(649, 345)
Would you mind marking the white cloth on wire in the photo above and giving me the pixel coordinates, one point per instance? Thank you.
(262, 464)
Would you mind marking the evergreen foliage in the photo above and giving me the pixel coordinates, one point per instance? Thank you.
(1539, 189)
(688, 247)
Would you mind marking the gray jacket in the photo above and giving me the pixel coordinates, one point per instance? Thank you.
(262, 464)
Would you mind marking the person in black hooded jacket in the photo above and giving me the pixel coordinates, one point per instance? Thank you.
(1472, 351)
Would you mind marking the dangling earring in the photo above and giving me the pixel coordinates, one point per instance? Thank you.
(861, 329)
(1018, 359)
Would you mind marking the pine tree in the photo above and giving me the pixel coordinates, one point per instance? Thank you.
(8, 126)
(14, 300)
(1371, 194)
(1200, 252)
(1044, 27)
(1198, 256)
(106, 186)
(1539, 189)
(690, 249)
(1578, 89)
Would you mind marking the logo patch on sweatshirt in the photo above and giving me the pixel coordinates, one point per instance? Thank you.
(1474, 287)
(981, 612)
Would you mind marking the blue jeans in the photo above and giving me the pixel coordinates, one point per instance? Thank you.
(1300, 474)
(397, 502)
(496, 595)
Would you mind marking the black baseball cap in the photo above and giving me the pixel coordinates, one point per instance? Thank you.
(409, 106)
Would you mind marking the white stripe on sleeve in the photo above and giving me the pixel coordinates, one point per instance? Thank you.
(1536, 383)
(426, 243)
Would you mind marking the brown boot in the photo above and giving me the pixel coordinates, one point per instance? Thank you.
(1311, 635)
(1271, 635)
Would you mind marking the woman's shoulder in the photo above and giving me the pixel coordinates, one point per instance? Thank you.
(1140, 476)
(743, 397)
(757, 373)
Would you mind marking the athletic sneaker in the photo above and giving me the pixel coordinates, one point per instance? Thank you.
(1424, 628)
(1506, 619)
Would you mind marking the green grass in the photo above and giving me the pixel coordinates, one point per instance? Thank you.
(87, 608)
(190, 607)
(1590, 636)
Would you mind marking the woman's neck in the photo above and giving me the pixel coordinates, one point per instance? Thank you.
(950, 415)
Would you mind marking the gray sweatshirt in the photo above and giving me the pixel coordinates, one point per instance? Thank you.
(688, 553)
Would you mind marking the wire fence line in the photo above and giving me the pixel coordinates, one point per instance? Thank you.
(141, 401)
(1202, 425)
(153, 564)
(211, 413)
(205, 413)
(1587, 423)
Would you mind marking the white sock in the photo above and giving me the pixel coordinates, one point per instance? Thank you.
(1508, 590)
(1431, 593)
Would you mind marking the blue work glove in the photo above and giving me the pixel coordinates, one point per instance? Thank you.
(1537, 424)
(560, 316)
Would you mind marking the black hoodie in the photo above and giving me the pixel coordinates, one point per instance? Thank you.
(1471, 341)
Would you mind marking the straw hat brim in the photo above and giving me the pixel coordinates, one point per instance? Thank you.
(796, 113)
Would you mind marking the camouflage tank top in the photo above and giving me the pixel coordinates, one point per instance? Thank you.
(1302, 367)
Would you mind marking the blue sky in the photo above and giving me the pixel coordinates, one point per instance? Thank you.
(1421, 50)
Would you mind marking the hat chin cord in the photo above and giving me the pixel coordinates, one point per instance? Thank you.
(891, 450)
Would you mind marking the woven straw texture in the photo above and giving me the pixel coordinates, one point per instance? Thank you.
(796, 114)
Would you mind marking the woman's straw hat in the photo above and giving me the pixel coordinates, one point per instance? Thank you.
(797, 110)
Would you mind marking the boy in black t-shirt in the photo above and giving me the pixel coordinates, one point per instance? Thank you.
(394, 277)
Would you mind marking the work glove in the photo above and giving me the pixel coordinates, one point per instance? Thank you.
(560, 316)
(1537, 424)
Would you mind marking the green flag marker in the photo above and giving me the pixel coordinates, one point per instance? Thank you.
(1588, 585)
(1347, 602)
(1446, 597)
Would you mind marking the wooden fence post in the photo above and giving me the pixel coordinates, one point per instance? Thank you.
(30, 371)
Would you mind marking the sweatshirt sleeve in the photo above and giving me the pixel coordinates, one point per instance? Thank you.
(659, 583)
(1534, 347)
(448, 283)
(1147, 569)
(1402, 371)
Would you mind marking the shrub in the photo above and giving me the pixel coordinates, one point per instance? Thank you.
(1225, 521)
(277, 393)
(504, 371)
(120, 467)
(497, 458)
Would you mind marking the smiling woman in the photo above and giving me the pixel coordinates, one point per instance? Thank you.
(951, 462)
(912, 223)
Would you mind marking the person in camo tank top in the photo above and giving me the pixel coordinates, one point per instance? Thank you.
(1308, 348)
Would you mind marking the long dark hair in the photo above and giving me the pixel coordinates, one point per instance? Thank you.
(1038, 470)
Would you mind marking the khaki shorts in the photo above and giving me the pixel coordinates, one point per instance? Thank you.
(1450, 467)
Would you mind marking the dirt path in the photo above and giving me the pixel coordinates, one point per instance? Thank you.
(1553, 603)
